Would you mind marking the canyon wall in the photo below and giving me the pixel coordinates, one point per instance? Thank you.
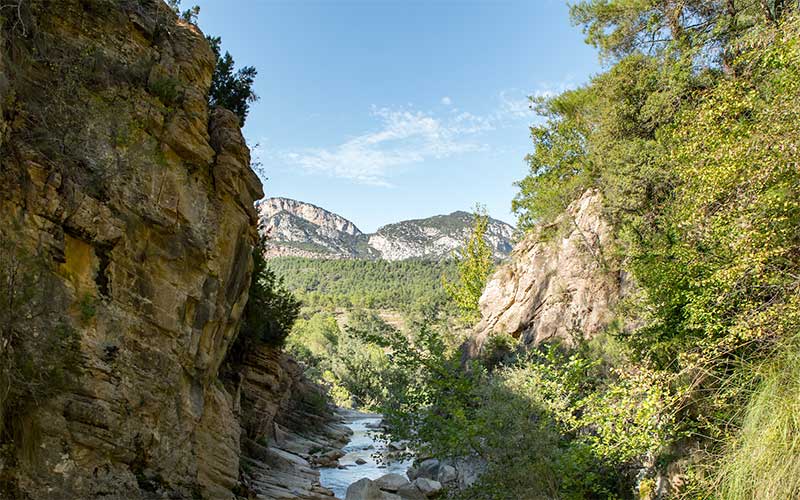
(139, 200)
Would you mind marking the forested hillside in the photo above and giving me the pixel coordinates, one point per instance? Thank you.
(403, 286)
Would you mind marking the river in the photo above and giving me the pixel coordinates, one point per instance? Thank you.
(362, 445)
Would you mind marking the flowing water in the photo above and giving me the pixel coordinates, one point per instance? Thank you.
(362, 445)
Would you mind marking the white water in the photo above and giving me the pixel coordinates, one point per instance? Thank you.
(359, 447)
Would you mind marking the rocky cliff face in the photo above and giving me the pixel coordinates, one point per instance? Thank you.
(560, 281)
(140, 200)
(300, 229)
(305, 230)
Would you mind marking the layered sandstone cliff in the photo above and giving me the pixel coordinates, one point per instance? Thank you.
(140, 200)
(560, 283)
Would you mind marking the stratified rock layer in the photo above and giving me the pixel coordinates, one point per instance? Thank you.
(561, 287)
(140, 199)
(287, 429)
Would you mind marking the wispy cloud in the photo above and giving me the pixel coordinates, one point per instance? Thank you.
(407, 136)
(516, 104)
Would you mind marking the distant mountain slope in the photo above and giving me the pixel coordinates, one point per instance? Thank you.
(300, 229)
(436, 237)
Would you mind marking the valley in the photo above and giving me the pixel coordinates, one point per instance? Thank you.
(175, 325)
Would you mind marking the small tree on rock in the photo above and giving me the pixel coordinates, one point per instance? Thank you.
(474, 265)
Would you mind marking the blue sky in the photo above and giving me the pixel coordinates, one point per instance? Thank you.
(389, 110)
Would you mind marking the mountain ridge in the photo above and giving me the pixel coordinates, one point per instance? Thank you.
(301, 229)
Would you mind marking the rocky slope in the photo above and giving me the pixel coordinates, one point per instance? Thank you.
(300, 229)
(560, 282)
(139, 200)
(305, 230)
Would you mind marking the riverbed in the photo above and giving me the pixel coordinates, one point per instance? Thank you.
(363, 445)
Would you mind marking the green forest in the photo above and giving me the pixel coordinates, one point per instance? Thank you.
(404, 286)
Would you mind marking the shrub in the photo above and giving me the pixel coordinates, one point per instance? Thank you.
(231, 88)
(166, 88)
(474, 265)
(271, 309)
(763, 460)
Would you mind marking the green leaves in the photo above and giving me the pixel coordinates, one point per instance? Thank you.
(474, 265)
(231, 88)
(271, 309)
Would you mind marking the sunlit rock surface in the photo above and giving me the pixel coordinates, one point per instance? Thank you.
(300, 229)
(141, 200)
(561, 286)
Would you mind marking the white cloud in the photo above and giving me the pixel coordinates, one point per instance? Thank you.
(405, 137)
(515, 105)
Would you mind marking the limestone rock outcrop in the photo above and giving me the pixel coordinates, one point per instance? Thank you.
(140, 200)
(301, 229)
(555, 287)
(287, 428)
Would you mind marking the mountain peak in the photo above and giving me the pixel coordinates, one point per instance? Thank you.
(303, 229)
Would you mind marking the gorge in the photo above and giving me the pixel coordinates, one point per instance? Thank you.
(172, 328)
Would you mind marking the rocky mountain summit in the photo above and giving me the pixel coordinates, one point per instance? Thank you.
(301, 229)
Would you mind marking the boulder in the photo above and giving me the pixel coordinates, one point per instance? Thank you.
(427, 468)
(410, 492)
(328, 459)
(397, 446)
(428, 487)
(360, 461)
(447, 474)
(391, 482)
(364, 489)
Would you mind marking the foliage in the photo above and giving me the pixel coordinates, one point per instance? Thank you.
(405, 286)
(691, 136)
(167, 89)
(354, 369)
(552, 424)
(474, 264)
(619, 28)
(189, 15)
(39, 350)
(271, 309)
(231, 88)
(763, 461)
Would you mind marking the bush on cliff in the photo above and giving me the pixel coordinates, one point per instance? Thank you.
(271, 309)
(231, 88)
